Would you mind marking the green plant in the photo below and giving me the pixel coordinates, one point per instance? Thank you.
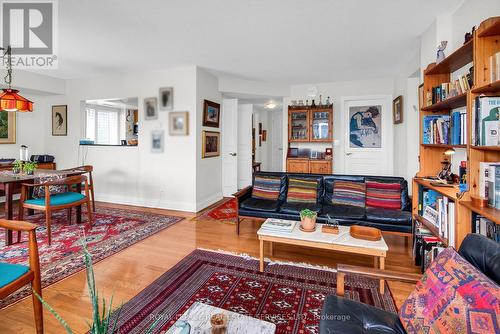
(29, 167)
(306, 213)
(101, 319)
(17, 165)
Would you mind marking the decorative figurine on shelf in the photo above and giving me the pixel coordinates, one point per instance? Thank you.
(440, 52)
(328, 101)
(469, 35)
(320, 101)
(313, 104)
(307, 103)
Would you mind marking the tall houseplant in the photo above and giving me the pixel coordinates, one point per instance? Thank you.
(101, 318)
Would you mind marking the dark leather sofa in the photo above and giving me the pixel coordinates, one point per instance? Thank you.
(397, 221)
(341, 315)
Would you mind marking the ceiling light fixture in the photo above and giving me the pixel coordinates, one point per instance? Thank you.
(9, 99)
(271, 105)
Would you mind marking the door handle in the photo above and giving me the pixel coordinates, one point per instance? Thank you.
(232, 154)
(348, 154)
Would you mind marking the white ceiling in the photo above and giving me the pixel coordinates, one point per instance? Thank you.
(285, 41)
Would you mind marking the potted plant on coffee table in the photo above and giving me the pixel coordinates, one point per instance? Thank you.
(308, 220)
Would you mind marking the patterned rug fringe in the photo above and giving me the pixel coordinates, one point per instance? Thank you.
(271, 262)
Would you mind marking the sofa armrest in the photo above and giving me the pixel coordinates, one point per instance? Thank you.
(242, 192)
(382, 274)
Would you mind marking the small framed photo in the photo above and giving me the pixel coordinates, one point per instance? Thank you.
(150, 108)
(157, 141)
(210, 144)
(178, 123)
(397, 110)
(167, 98)
(60, 120)
(264, 135)
(314, 154)
(211, 114)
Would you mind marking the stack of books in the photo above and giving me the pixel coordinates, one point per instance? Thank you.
(447, 90)
(279, 225)
(440, 212)
(485, 121)
(489, 183)
(459, 126)
(495, 67)
(436, 129)
(487, 228)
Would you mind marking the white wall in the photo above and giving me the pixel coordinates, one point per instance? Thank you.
(336, 90)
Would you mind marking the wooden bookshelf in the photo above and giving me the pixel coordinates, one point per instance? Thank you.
(450, 103)
(485, 42)
(431, 227)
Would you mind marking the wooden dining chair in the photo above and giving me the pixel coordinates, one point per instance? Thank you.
(88, 170)
(15, 276)
(49, 203)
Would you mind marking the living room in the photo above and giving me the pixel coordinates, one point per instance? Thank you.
(289, 167)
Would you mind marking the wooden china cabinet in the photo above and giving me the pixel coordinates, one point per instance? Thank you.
(309, 125)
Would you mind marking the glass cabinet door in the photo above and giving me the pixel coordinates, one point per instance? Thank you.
(320, 125)
(299, 126)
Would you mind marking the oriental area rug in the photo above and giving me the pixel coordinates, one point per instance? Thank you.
(287, 295)
(113, 230)
(224, 212)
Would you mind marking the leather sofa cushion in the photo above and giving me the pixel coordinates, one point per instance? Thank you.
(482, 253)
(388, 216)
(342, 316)
(295, 208)
(343, 212)
(260, 205)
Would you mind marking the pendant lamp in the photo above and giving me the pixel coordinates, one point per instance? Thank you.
(10, 100)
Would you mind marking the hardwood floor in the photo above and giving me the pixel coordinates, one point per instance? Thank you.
(126, 273)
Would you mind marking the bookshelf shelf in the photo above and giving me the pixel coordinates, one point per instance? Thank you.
(450, 192)
(450, 103)
(493, 87)
(443, 146)
(431, 228)
(461, 57)
(490, 213)
(486, 148)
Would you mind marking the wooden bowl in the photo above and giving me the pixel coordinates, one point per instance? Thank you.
(365, 233)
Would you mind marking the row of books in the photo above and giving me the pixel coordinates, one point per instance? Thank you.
(495, 67)
(440, 212)
(426, 247)
(449, 89)
(459, 126)
(436, 129)
(487, 228)
(485, 121)
(489, 183)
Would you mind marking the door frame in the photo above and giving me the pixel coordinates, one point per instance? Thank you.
(387, 128)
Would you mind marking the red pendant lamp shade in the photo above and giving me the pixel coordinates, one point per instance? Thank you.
(11, 101)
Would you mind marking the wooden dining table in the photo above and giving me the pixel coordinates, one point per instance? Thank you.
(11, 183)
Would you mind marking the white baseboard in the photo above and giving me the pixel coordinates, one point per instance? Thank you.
(169, 205)
(200, 205)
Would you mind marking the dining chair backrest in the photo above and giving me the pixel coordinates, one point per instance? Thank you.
(86, 168)
(71, 180)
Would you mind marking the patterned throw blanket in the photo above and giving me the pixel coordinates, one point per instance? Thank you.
(46, 177)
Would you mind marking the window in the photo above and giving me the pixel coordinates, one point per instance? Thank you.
(103, 125)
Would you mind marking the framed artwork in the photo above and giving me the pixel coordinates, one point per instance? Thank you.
(211, 114)
(150, 108)
(178, 123)
(7, 127)
(260, 128)
(264, 135)
(420, 96)
(60, 120)
(210, 144)
(167, 98)
(397, 110)
(365, 126)
(157, 141)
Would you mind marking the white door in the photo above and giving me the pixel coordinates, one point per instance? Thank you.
(229, 148)
(277, 141)
(244, 145)
(368, 140)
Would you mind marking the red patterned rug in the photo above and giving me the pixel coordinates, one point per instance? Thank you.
(289, 296)
(113, 231)
(225, 212)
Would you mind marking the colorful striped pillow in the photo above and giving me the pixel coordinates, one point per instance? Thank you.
(349, 193)
(302, 190)
(383, 195)
(266, 187)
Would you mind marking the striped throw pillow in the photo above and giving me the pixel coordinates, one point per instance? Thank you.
(383, 195)
(302, 190)
(349, 193)
(266, 187)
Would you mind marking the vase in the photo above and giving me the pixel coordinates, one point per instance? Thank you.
(308, 223)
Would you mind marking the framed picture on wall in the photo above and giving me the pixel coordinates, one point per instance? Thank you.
(178, 123)
(167, 98)
(60, 120)
(7, 127)
(397, 110)
(211, 114)
(210, 144)
(157, 141)
(150, 108)
(365, 126)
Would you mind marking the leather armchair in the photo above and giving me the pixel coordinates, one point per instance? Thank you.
(340, 315)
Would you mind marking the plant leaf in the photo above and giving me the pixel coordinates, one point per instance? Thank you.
(58, 317)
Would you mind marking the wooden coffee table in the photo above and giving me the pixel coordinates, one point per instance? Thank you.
(342, 242)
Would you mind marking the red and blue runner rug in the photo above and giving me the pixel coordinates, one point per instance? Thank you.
(289, 296)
